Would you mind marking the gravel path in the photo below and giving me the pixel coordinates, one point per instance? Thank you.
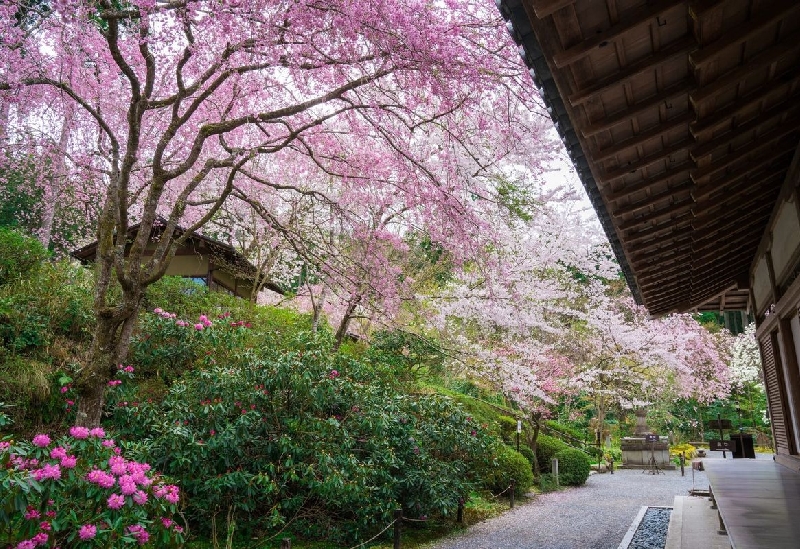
(594, 516)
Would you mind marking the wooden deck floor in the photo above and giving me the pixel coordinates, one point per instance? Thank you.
(759, 501)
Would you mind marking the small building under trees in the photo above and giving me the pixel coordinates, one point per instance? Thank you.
(204, 260)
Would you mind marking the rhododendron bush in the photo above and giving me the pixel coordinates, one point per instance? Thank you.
(80, 491)
(329, 445)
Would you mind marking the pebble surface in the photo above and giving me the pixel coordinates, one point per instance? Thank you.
(594, 516)
(652, 531)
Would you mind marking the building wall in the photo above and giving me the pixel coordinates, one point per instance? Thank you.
(775, 299)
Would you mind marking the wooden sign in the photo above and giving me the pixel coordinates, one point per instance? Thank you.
(717, 445)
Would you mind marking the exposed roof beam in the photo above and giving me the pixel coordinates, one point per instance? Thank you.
(650, 251)
(757, 63)
(681, 170)
(733, 221)
(773, 115)
(711, 215)
(661, 128)
(638, 235)
(777, 10)
(658, 237)
(646, 162)
(677, 49)
(702, 192)
(765, 145)
(750, 183)
(668, 96)
(676, 193)
(543, 8)
(630, 20)
(674, 210)
(785, 84)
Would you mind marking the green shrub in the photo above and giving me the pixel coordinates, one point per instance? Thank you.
(573, 467)
(508, 429)
(506, 465)
(528, 453)
(302, 437)
(19, 255)
(56, 301)
(546, 449)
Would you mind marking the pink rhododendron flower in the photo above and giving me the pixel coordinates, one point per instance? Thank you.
(129, 369)
(198, 327)
(4, 446)
(101, 478)
(27, 544)
(69, 462)
(41, 440)
(167, 522)
(79, 432)
(97, 432)
(118, 465)
(115, 501)
(334, 374)
(40, 538)
(48, 471)
(127, 485)
(44, 525)
(64, 389)
(58, 452)
(108, 443)
(140, 497)
(158, 310)
(114, 382)
(32, 514)
(87, 531)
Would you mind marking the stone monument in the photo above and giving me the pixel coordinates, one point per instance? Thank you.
(638, 453)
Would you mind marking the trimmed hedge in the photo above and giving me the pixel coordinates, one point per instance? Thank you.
(573, 467)
(507, 465)
(546, 449)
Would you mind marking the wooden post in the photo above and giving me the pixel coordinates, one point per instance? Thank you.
(460, 514)
(286, 543)
(683, 461)
(398, 521)
(554, 468)
(513, 489)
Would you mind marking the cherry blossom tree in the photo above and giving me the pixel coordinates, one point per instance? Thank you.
(176, 106)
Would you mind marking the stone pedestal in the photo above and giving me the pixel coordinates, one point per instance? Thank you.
(636, 453)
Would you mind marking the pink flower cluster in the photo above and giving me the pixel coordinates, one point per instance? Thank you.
(334, 374)
(131, 477)
(169, 492)
(138, 531)
(164, 314)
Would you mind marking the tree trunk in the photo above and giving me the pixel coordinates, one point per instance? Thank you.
(109, 348)
(533, 443)
(345, 323)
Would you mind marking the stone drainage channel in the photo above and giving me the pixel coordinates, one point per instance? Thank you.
(649, 529)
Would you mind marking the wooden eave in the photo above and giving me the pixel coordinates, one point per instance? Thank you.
(224, 254)
(681, 118)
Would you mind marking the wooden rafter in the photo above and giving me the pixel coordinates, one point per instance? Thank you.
(679, 171)
(755, 65)
(677, 49)
(676, 194)
(672, 211)
(777, 10)
(635, 18)
(543, 8)
(663, 250)
(661, 128)
(658, 156)
(710, 216)
(765, 142)
(703, 192)
(770, 119)
(731, 222)
(669, 96)
(786, 85)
